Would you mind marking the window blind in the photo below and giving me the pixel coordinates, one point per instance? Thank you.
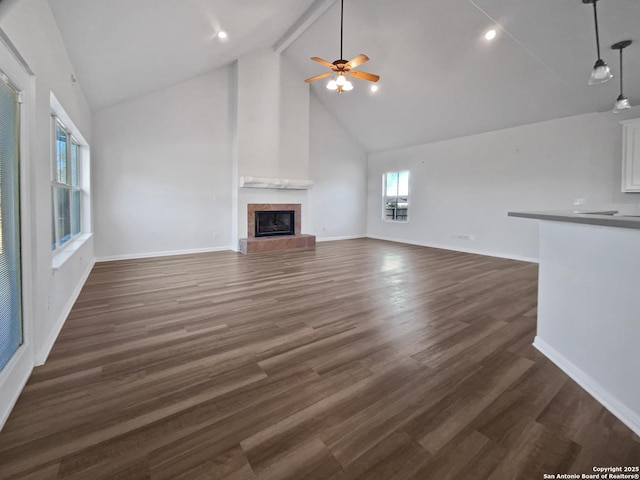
(10, 294)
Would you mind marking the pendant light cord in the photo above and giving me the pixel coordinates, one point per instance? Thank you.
(342, 23)
(595, 16)
(621, 72)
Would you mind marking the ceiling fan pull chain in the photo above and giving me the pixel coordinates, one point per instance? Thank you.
(621, 93)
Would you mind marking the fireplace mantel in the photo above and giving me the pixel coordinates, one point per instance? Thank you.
(276, 183)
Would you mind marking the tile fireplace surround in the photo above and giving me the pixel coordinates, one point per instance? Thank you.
(277, 243)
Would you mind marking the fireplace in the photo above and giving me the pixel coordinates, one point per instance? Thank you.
(269, 223)
(274, 227)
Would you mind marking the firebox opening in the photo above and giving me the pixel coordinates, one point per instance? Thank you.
(275, 222)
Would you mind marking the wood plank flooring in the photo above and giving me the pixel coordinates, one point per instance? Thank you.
(362, 359)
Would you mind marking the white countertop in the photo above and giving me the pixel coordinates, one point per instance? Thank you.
(610, 218)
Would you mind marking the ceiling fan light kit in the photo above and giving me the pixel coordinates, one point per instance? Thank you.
(622, 103)
(340, 68)
(600, 72)
(340, 83)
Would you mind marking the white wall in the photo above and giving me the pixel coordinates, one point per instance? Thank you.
(272, 116)
(338, 200)
(258, 114)
(166, 165)
(5, 5)
(271, 131)
(162, 171)
(31, 28)
(467, 185)
(588, 311)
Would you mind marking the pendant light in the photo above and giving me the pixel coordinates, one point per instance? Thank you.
(601, 72)
(622, 103)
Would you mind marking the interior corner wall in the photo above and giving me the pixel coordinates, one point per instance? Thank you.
(293, 157)
(272, 116)
(338, 163)
(272, 132)
(31, 28)
(258, 113)
(462, 189)
(162, 171)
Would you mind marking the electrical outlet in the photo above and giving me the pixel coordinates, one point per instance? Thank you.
(579, 201)
(463, 236)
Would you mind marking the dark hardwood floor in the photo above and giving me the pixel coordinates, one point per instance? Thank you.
(362, 359)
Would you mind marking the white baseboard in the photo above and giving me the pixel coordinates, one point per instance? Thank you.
(135, 256)
(458, 249)
(627, 416)
(41, 356)
(333, 239)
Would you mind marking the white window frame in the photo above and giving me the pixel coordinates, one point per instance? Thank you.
(395, 214)
(59, 242)
(17, 371)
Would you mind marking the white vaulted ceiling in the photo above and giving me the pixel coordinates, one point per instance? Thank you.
(122, 49)
(440, 78)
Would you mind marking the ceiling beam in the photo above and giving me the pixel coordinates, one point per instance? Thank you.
(307, 19)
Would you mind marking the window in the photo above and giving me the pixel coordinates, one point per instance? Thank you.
(10, 267)
(395, 187)
(65, 187)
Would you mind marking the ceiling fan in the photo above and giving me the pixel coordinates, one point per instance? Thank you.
(340, 68)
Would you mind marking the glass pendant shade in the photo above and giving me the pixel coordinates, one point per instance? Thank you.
(347, 86)
(332, 85)
(622, 103)
(600, 73)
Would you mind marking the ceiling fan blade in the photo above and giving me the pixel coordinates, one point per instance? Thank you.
(318, 77)
(324, 62)
(359, 60)
(364, 75)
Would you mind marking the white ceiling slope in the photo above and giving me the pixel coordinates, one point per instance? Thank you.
(440, 78)
(123, 49)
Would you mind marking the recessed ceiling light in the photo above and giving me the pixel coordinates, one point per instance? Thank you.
(374, 88)
(222, 35)
(491, 34)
